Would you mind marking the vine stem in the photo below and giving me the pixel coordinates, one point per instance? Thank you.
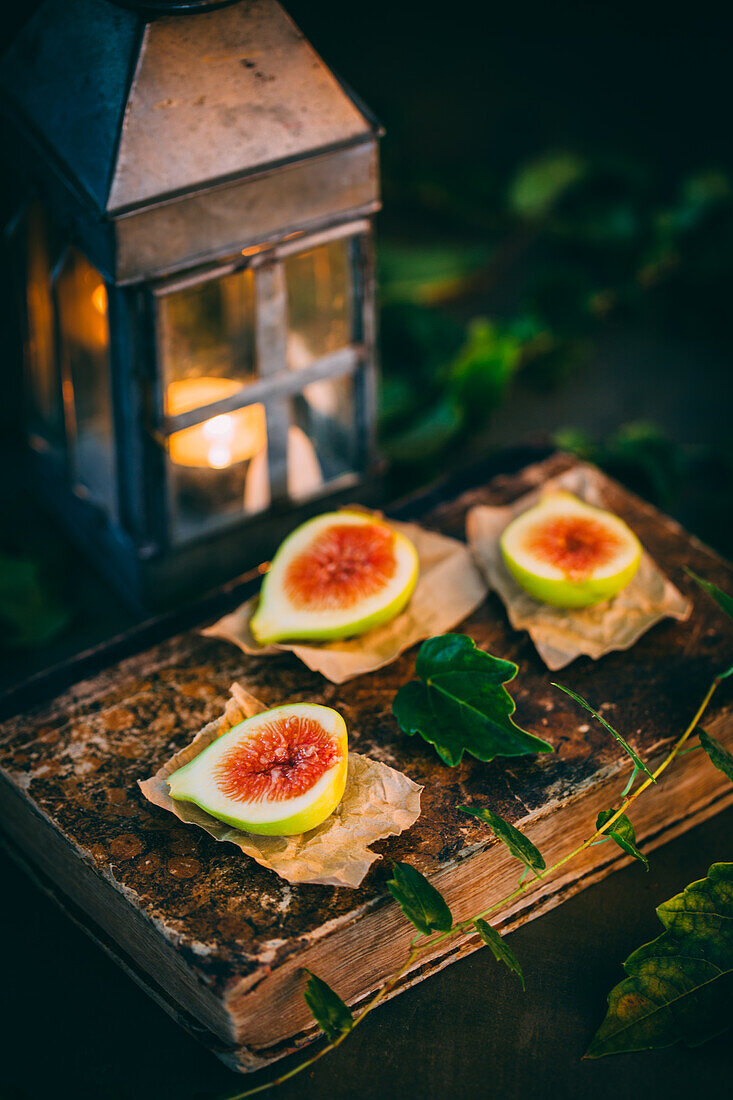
(417, 948)
(628, 799)
(378, 996)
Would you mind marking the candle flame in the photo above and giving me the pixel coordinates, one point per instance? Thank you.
(220, 430)
(219, 427)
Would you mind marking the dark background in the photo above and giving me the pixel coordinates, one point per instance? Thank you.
(609, 304)
(593, 313)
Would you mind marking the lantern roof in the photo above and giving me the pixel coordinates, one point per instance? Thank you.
(135, 112)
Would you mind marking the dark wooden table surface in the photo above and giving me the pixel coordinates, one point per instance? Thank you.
(76, 1026)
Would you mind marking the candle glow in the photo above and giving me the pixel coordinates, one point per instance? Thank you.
(221, 440)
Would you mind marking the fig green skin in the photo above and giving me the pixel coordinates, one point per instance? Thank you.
(265, 633)
(290, 825)
(568, 593)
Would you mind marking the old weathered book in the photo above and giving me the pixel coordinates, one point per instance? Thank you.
(219, 941)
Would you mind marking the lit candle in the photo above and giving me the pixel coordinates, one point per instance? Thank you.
(221, 440)
(239, 436)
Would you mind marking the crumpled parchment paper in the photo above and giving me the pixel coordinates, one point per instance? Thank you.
(448, 589)
(378, 802)
(559, 634)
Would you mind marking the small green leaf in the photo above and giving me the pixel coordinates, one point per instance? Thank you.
(622, 831)
(679, 987)
(638, 762)
(328, 1010)
(539, 185)
(419, 901)
(502, 953)
(459, 703)
(518, 844)
(448, 652)
(722, 599)
(719, 755)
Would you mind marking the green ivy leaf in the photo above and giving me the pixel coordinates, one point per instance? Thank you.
(638, 762)
(501, 952)
(518, 844)
(328, 1010)
(679, 987)
(719, 755)
(419, 901)
(722, 599)
(460, 704)
(622, 831)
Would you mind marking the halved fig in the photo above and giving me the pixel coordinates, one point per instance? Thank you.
(335, 576)
(569, 554)
(277, 774)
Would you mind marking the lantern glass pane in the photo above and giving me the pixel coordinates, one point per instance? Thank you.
(84, 344)
(207, 341)
(320, 306)
(218, 471)
(323, 442)
(43, 381)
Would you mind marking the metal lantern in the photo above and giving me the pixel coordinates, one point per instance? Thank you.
(194, 195)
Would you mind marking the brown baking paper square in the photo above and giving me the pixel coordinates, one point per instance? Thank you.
(378, 802)
(559, 634)
(448, 589)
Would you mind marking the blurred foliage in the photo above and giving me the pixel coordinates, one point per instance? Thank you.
(539, 185)
(666, 472)
(479, 375)
(428, 274)
(454, 399)
(639, 454)
(31, 611)
(580, 239)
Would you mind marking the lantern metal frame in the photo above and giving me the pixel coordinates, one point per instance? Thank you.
(276, 382)
(149, 236)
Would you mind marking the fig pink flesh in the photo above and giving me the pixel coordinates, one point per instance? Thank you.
(283, 759)
(577, 545)
(344, 565)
